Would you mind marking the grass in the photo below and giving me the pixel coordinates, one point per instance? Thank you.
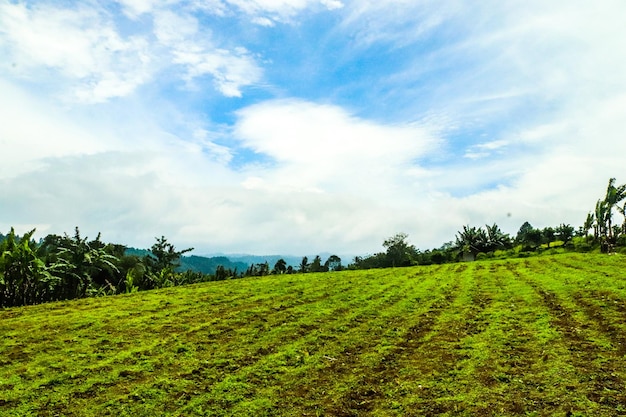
(540, 336)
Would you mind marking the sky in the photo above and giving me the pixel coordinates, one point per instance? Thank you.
(298, 127)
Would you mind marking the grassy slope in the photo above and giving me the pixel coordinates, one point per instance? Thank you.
(539, 336)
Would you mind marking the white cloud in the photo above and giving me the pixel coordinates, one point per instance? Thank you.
(193, 49)
(266, 12)
(81, 45)
(84, 49)
(323, 147)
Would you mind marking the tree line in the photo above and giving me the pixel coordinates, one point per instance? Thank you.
(68, 267)
(598, 232)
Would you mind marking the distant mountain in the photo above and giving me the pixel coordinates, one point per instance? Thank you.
(204, 264)
(209, 265)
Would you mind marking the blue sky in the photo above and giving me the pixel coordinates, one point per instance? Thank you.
(306, 126)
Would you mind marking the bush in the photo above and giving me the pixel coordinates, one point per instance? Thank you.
(481, 256)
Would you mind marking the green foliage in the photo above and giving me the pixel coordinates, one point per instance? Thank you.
(24, 278)
(316, 265)
(280, 267)
(399, 251)
(304, 265)
(163, 255)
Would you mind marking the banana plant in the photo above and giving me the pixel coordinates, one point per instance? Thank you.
(24, 277)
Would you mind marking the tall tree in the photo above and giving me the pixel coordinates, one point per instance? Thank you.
(588, 224)
(528, 236)
(316, 265)
(24, 277)
(163, 255)
(399, 251)
(548, 234)
(304, 265)
(280, 267)
(471, 240)
(614, 195)
(77, 261)
(333, 263)
(565, 232)
(496, 239)
(600, 214)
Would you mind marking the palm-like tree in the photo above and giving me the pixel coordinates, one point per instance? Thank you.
(601, 218)
(588, 224)
(614, 195)
(471, 240)
(24, 277)
(496, 239)
(622, 211)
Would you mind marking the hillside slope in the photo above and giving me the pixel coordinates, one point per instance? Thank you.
(538, 336)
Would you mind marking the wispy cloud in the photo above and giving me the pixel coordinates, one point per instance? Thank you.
(80, 45)
(95, 62)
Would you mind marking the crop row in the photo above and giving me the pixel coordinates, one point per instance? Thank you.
(538, 336)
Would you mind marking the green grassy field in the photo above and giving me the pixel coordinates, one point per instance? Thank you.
(541, 336)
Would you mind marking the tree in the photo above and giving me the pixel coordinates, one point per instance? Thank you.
(316, 265)
(164, 255)
(304, 265)
(24, 277)
(333, 263)
(601, 217)
(622, 211)
(588, 224)
(496, 239)
(613, 196)
(471, 241)
(77, 261)
(528, 236)
(280, 267)
(399, 252)
(565, 233)
(548, 235)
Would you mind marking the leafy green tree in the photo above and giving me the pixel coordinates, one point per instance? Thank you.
(496, 239)
(280, 267)
(614, 195)
(333, 263)
(622, 211)
(548, 235)
(263, 269)
(221, 273)
(304, 265)
(399, 251)
(529, 237)
(77, 261)
(24, 277)
(565, 233)
(472, 240)
(316, 265)
(164, 255)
